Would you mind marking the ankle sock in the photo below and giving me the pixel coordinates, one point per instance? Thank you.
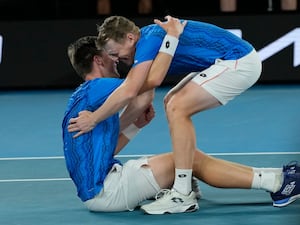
(269, 181)
(183, 181)
(269, 169)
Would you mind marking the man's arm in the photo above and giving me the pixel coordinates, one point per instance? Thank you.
(158, 72)
(120, 98)
(135, 108)
(130, 131)
(133, 84)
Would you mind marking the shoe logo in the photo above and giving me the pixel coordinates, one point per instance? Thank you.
(181, 175)
(288, 189)
(291, 170)
(177, 200)
(202, 75)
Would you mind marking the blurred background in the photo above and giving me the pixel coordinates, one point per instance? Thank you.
(34, 34)
(91, 9)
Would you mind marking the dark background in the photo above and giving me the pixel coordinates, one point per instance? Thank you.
(35, 41)
(86, 9)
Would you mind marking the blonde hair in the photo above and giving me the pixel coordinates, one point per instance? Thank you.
(115, 28)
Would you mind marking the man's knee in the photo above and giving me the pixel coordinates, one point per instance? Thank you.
(175, 107)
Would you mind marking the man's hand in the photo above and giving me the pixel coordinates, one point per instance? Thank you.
(172, 26)
(145, 117)
(83, 123)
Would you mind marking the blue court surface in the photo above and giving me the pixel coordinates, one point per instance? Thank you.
(259, 128)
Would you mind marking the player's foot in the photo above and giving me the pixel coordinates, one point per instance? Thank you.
(196, 188)
(172, 202)
(292, 167)
(290, 189)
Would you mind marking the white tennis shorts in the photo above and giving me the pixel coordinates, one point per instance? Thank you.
(227, 79)
(125, 187)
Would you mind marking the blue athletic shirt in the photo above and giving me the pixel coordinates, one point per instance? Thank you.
(199, 46)
(90, 156)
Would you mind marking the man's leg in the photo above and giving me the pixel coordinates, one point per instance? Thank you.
(185, 103)
(283, 184)
(180, 107)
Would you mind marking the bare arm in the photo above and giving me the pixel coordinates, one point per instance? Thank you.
(136, 82)
(158, 72)
(135, 108)
(121, 97)
(144, 119)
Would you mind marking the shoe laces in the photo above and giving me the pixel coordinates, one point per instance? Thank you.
(162, 193)
(291, 166)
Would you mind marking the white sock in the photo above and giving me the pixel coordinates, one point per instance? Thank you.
(269, 181)
(263, 169)
(183, 181)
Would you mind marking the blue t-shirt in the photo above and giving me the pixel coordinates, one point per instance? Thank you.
(90, 156)
(199, 46)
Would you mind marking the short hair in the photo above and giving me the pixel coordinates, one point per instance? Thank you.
(115, 28)
(81, 53)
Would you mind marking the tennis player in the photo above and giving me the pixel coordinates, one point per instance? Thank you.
(220, 66)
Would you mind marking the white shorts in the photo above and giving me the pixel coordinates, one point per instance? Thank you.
(227, 79)
(125, 187)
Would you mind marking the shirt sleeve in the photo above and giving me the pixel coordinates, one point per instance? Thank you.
(100, 91)
(146, 49)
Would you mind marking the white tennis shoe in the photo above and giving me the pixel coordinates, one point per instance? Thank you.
(196, 188)
(172, 202)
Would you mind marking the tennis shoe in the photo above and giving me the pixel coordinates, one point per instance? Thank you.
(172, 201)
(196, 188)
(290, 189)
(292, 167)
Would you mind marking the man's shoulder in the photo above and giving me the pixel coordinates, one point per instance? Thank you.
(105, 81)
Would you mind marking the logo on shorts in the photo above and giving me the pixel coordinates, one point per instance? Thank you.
(202, 75)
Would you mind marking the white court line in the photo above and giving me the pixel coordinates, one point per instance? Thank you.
(144, 155)
(34, 180)
(32, 158)
(119, 156)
